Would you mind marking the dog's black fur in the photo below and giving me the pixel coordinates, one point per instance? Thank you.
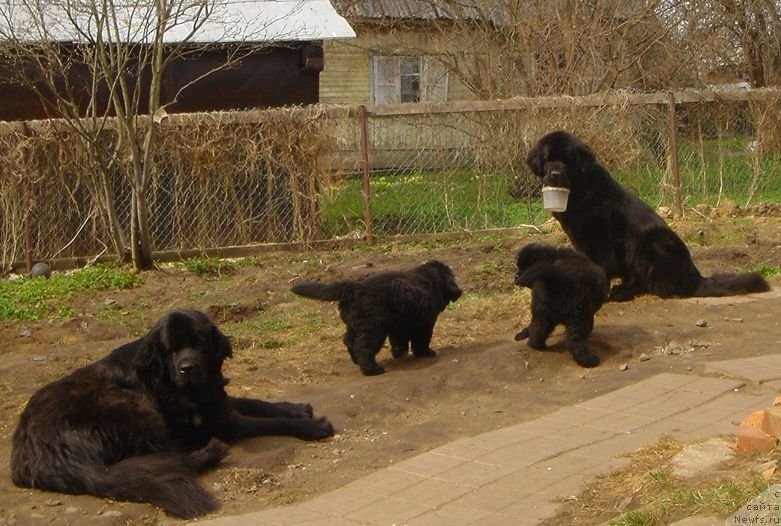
(142, 422)
(402, 306)
(621, 233)
(567, 289)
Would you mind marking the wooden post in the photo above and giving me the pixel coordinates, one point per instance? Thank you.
(367, 194)
(26, 205)
(674, 153)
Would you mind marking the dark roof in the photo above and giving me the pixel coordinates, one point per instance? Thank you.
(419, 9)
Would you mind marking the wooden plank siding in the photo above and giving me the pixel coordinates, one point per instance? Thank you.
(346, 77)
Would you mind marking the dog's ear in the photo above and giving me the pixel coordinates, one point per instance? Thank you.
(221, 343)
(534, 160)
(148, 358)
(584, 156)
(453, 290)
(175, 328)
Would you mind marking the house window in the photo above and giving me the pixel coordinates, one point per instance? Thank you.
(407, 79)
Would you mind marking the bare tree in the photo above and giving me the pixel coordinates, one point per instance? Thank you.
(88, 60)
(504, 48)
(749, 37)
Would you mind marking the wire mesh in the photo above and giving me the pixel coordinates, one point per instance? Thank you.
(298, 175)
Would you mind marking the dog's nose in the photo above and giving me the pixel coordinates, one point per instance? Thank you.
(555, 172)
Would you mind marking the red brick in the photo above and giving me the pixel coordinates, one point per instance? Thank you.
(772, 422)
(753, 439)
(755, 419)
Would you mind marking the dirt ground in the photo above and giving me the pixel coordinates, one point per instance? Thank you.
(290, 348)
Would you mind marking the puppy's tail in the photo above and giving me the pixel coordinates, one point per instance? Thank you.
(541, 271)
(166, 480)
(730, 284)
(335, 291)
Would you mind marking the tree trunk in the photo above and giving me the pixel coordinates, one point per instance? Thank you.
(139, 234)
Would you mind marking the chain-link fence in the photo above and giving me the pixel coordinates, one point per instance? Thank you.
(301, 175)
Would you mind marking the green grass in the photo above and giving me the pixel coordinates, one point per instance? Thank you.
(422, 202)
(767, 270)
(209, 267)
(710, 171)
(725, 498)
(419, 201)
(35, 298)
(634, 518)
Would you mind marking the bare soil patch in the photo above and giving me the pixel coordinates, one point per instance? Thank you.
(288, 347)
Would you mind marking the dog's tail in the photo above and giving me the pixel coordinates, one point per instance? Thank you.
(335, 291)
(541, 271)
(729, 284)
(165, 479)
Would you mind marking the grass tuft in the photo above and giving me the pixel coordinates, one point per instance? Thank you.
(35, 298)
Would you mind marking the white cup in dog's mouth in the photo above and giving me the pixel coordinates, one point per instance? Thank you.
(554, 198)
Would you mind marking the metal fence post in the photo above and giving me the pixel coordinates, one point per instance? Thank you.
(367, 195)
(674, 153)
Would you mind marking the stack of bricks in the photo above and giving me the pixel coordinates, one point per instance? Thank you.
(761, 430)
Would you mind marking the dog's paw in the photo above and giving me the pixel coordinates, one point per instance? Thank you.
(522, 335)
(209, 455)
(586, 359)
(316, 429)
(399, 352)
(619, 293)
(428, 353)
(372, 370)
(298, 410)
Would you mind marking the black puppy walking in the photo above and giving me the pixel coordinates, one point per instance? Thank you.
(567, 289)
(402, 306)
(621, 233)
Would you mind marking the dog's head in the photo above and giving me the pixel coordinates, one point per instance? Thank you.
(559, 157)
(445, 278)
(185, 349)
(535, 253)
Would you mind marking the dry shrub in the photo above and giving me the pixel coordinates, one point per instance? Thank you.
(222, 182)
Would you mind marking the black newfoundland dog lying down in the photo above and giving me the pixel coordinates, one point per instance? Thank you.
(621, 233)
(141, 423)
(402, 306)
(567, 289)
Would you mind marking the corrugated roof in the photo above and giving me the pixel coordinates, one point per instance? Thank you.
(419, 9)
(228, 21)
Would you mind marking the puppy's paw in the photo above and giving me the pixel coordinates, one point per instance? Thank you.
(372, 370)
(522, 335)
(586, 359)
(427, 353)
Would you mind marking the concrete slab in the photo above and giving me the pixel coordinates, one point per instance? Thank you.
(516, 474)
(697, 459)
(756, 370)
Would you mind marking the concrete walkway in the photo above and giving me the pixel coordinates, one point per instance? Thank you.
(515, 475)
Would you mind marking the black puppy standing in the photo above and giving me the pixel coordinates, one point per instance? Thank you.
(621, 233)
(400, 305)
(567, 289)
(141, 423)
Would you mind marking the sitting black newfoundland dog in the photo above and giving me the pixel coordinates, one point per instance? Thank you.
(402, 306)
(141, 423)
(621, 233)
(567, 289)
